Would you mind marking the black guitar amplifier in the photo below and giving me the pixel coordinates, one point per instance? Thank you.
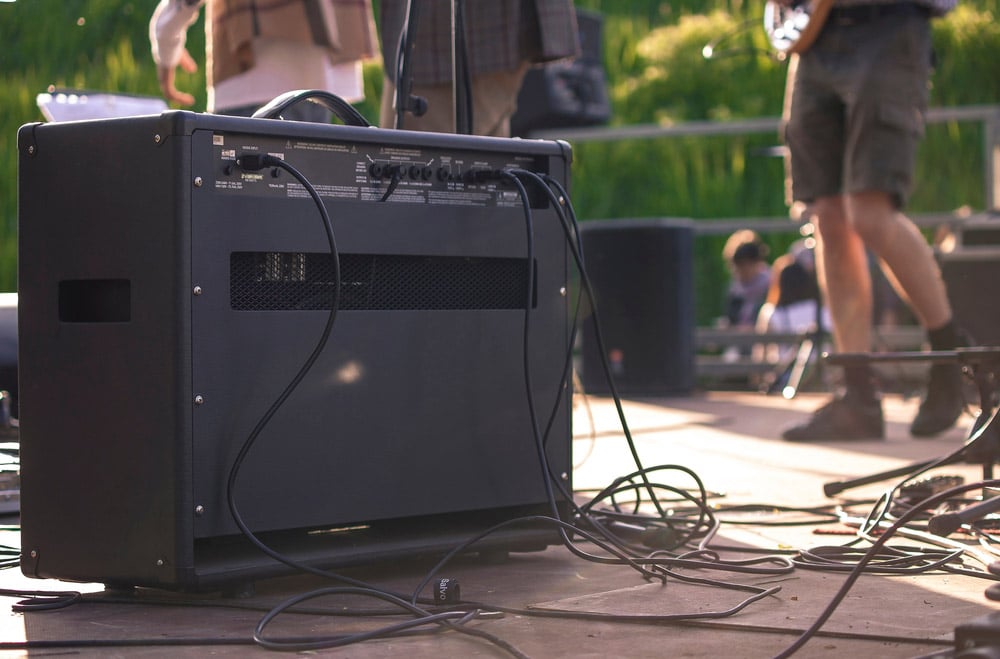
(168, 296)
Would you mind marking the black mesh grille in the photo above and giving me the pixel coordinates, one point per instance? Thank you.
(286, 281)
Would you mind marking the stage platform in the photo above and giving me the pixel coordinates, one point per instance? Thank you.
(729, 439)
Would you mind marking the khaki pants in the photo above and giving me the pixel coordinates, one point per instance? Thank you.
(494, 100)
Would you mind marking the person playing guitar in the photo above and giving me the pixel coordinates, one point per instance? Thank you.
(855, 102)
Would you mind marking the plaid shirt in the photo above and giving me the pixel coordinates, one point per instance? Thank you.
(501, 35)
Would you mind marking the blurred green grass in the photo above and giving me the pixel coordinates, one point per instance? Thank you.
(656, 74)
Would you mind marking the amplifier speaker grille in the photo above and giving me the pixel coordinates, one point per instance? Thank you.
(297, 281)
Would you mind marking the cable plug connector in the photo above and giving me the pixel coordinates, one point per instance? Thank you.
(447, 591)
(254, 162)
(485, 175)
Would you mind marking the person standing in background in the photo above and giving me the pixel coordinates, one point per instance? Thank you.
(257, 50)
(854, 115)
(504, 37)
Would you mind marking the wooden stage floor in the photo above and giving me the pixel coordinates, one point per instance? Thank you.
(729, 439)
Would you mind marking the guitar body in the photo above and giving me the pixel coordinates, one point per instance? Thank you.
(793, 28)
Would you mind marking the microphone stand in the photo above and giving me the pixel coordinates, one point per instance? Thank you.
(947, 523)
(406, 101)
(792, 372)
(460, 84)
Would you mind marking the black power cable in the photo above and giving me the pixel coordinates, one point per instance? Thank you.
(455, 620)
(573, 239)
(656, 565)
(255, 162)
(870, 555)
(559, 197)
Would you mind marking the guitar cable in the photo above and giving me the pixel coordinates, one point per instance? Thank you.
(708, 51)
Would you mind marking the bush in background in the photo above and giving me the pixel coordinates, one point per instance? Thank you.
(656, 73)
(659, 75)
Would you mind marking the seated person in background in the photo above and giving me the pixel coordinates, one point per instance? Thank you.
(796, 307)
(746, 255)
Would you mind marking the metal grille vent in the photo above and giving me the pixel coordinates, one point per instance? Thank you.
(296, 281)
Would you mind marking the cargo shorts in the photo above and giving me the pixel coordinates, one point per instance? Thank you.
(855, 106)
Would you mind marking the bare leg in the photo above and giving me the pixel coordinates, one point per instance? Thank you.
(842, 265)
(847, 225)
(899, 244)
(843, 273)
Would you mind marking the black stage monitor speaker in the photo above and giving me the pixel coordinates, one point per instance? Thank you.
(642, 272)
(969, 275)
(970, 263)
(167, 297)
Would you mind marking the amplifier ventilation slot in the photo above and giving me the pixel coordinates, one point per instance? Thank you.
(297, 281)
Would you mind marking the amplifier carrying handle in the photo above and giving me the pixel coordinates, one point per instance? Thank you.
(338, 106)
